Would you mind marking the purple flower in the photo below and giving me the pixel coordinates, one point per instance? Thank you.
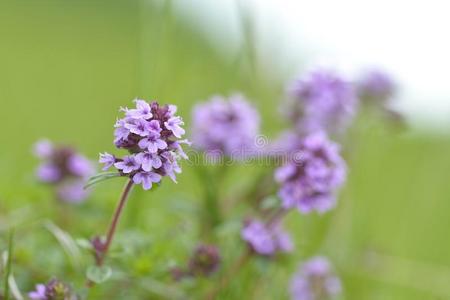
(48, 172)
(107, 159)
(53, 290)
(264, 239)
(321, 100)
(375, 87)
(62, 166)
(311, 177)
(152, 143)
(142, 110)
(146, 179)
(121, 132)
(128, 164)
(43, 149)
(315, 281)
(228, 126)
(80, 166)
(148, 161)
(170, 168)
(138, 126)
(173, 124)
(150, 133)
(72, 191)
(39, 293)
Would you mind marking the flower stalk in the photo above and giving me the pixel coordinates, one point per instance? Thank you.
(102, 248)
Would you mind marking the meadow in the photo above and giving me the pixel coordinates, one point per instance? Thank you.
(67, 68)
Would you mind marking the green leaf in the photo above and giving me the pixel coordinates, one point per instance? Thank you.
(84, 244)
(98, 274)
(67, 243)
(101, 177)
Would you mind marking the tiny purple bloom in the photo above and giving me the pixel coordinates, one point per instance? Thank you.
(154, 126)
(121, 132)
(43, 149)
(127, 165)
(148, 161)
(170, 168)
(152, 143)
(63, 166)
(146, 179)
(80, 166)
(72, 191)
(39, 293)
(315, 280)
(226, 126)
(107, 159)
(142, 110)
(138, 126)
(375, 87)
(48, 172)
(173, 124)
(266, 240)
(322, 100)
(311, 177)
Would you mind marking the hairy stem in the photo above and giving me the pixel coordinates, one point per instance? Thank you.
(114, 222)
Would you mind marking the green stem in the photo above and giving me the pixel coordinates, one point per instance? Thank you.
(211, 209)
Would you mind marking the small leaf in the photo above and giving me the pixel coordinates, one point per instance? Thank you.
(66, 241)
(84, 243)
(101, 177)
(98, 274)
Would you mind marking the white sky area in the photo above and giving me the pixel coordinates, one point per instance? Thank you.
(408, 39)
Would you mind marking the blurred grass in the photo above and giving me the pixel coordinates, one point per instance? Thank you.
(66, 68)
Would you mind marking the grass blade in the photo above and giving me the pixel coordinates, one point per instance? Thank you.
(67, 243)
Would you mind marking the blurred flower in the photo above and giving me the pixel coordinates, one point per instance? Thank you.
(39, 293)
(266, 239)
(205, 260)
(312, 175)
(322, 100)
(375, 87)
(63, 167)
(151, 133)
(226, 126)
(315, 281)
(72, 191)
(53, 290)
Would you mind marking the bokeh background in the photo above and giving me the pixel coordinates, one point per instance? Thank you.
(65, 69)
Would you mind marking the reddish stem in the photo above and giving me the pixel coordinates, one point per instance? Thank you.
(114, 222)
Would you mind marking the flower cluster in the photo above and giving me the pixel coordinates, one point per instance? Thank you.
(227, 126)
(65, 168)
(53, 290)
(203, 262)
(309, 180)
(152, 135)
(375, 87)
(266, 239)
(315, 281)
(321, 101)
